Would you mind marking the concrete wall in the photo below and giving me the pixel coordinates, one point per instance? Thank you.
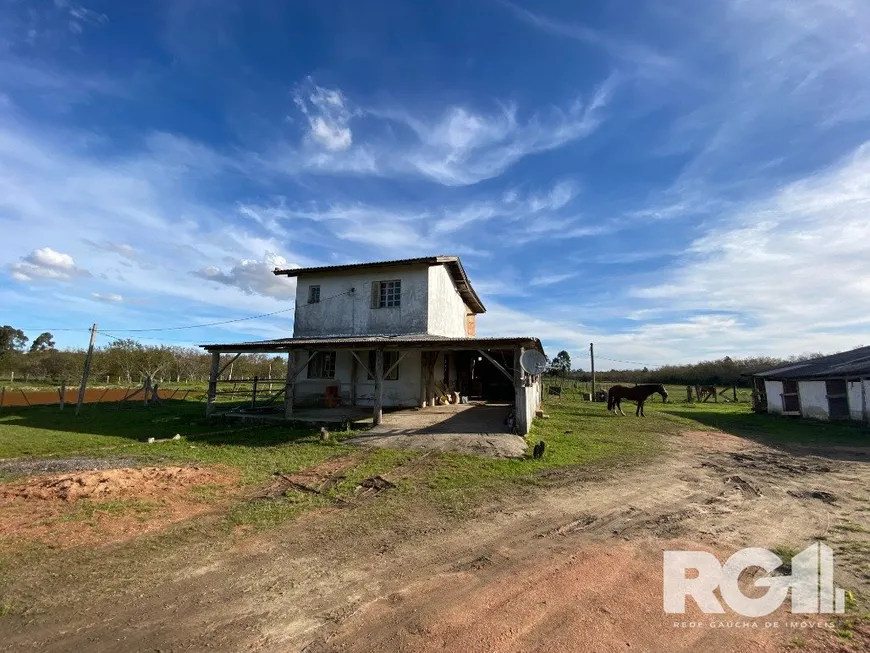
(352, 314)
(814, 399)
(401, 392)
(446, 308)
(528, 400)
(774, 396)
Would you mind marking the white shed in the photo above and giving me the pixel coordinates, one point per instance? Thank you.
(831, 387)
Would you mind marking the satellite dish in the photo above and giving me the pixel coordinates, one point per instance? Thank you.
(533, 362)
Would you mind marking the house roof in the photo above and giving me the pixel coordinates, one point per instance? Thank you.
(852, 363)
(421, 341)
(452, 263)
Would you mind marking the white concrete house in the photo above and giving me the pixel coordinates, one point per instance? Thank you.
(828, 388)
(397, 334)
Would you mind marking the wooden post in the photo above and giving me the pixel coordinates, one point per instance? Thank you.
(254, 392)
(354, 372)
(147, 389)
(715, 395)
(688, 394)
(734, 392)
(864, 416)
(378, 413)
(62, 394)
(424, 356)
(592, 363)
(212, 382)
(2, 395)
(289, 385)
(87, 370)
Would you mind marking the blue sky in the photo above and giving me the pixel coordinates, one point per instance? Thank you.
(671, 180)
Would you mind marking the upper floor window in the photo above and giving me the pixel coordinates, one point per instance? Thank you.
(387, 294)
(313, 294)
(322, 366)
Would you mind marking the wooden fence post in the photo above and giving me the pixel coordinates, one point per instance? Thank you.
(688, 394)
(62, 393)
(2, 395)
(254, 392)
(734, 390)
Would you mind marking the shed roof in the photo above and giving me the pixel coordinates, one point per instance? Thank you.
(852, 363)
(421, 341)
(452, 263)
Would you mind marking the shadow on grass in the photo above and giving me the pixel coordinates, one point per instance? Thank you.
(839, 440)
(138, 423)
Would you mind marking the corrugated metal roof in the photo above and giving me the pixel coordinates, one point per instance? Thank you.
(386, 341)
(845, 364)
(454, 266)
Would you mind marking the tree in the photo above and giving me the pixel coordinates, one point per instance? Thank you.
(43, 342)
(561, 364)
(11, 340)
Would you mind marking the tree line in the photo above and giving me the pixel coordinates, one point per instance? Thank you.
(725, 371)
(121, 361)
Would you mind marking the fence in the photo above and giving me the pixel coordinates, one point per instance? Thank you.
(62, 396)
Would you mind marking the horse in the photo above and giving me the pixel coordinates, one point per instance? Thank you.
(639, 393)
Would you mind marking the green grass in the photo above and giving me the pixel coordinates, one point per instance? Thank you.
(577, 435)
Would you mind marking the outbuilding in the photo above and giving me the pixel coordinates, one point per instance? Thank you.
(831, 387)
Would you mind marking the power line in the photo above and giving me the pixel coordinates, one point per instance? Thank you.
(617, 360)
(208, 324)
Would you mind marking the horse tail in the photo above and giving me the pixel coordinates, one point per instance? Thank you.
(610, 399)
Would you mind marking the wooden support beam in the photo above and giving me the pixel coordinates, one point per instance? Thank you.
(224, 368)
(510, 377)
(396, 364)
(254, 393)
(361, 364)
(213, 374)
(378, 413)
(424, 362)
(354, 372)
(290, 384)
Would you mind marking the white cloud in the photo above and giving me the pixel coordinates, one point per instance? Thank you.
(109, 298)
(791, 267)
(46, 263)
(254, 277)
(328, 116)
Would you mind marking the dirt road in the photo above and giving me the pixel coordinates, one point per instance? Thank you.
(576, 567)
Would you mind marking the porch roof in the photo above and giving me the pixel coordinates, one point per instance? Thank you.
(418, 341)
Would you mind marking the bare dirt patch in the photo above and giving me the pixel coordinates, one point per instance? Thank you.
(573, 567)
(105, 505)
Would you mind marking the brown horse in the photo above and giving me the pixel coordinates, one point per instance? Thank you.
(639, 393)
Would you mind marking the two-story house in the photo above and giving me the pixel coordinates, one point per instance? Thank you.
(395, 334)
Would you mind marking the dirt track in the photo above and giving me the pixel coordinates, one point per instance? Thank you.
(575, 568)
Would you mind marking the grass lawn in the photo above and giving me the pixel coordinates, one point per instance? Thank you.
(577, 434)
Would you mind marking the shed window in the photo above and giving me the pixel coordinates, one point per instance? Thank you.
(838, 401)
(322, 366)
(390, 358)
(790, 400)
(387, 294)
(313, 294)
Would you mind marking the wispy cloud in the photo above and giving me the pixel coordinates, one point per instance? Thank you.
(458, 146)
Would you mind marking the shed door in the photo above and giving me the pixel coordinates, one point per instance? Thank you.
(838, 401)
(790, 400)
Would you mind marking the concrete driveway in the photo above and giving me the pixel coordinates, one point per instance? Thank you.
(462, 428)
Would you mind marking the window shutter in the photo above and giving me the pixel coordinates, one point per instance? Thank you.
(376, 294)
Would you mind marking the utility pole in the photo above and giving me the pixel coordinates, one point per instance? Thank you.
(87, 369)
(592, 361)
